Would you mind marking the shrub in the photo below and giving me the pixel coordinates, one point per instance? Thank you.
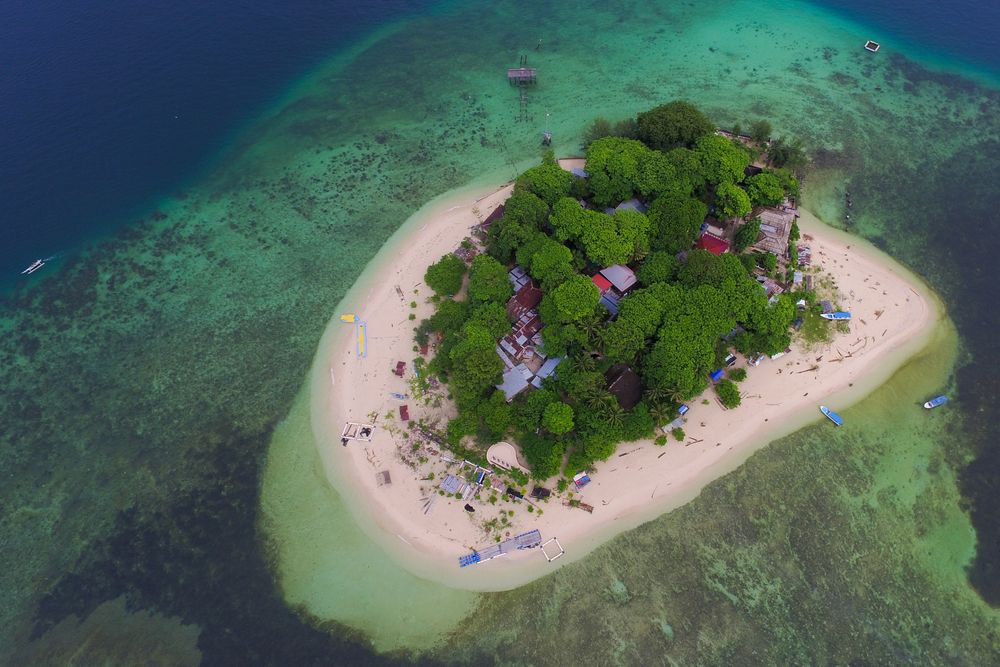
(661, 441)
(738, 374)
(678, 434)
(728, 393)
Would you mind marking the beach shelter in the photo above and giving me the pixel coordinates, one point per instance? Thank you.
(716, 375)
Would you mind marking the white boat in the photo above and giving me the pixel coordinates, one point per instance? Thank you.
(872, 46)
(840, 315)
(34, 266)
(935, 402)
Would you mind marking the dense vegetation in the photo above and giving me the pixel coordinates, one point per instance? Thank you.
(688, 309)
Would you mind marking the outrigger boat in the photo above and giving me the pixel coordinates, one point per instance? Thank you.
(831, 415)
(37, 264)
(935, 402)
(837, 316)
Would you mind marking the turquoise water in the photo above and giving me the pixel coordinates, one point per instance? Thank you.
(143, 384)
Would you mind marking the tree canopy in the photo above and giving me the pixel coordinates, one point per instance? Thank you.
(732, 201)
(746, 235)
(570, 302)
(672, 125)
(765, 189)
(673, 329)
(488, 281)
(445, 275)
(722, 160)
(558, 418)
(674, 222)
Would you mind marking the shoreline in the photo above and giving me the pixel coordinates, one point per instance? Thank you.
(625, 492)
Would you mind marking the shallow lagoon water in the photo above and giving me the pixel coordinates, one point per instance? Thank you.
(144, 382)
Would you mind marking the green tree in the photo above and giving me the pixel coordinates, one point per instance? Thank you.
(551, 264)
(528, 408)
(548, 180)
(746, 235)
(658, 267)
(687, 170)
(738, 374)
(526, 208)
(760, 131)
(613, 168)
(769, 262)
(674, 222)
(672, 125)
(722, 160)
(505, 236)
(445, 275)
(450, 316)
(568, 219)
(493, 317)
(475, 364)
(765, 189)
(793, 234)
(558, 418)
(729, 393)
(488, 281)
(496, 414)
(786, 153)
(572, 301)
(732, 201)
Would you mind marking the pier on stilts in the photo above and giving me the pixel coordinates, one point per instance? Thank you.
(522, 77)
(529, 540)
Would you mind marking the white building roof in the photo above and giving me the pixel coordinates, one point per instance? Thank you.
(620, 276)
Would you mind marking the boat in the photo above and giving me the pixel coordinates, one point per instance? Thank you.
(872, 46)
(349, 317)
(34, 266)
(840, 315)
(935, 402)
(831, 415)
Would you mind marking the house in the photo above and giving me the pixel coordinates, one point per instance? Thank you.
(712, 243)
(610, 301)
(526, 298)
(602, 283)
(621, 277)
(775, 226)
(547, 369)
(518, 278)
(515, 380)
(492, 217)
(625, 385)
(771, 287)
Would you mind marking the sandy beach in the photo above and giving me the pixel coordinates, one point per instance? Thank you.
(894, 314)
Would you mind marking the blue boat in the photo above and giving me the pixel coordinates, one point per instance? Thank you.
(833, 416)
(838, 316)
(936, 401)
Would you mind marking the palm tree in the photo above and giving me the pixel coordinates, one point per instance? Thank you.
(614, 413)
(660, 413)
(657, 394)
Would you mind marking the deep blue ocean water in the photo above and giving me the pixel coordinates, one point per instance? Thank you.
(962, 30)
(107, 105)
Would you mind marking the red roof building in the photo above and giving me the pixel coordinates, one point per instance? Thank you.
(713, 244)
(602, 283)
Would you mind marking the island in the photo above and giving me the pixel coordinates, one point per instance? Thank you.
(520, 375)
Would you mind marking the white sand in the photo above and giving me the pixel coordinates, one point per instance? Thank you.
(642, 480)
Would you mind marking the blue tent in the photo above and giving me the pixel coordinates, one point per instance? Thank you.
(716, 375)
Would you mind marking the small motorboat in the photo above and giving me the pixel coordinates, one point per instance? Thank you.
(935, 402)
(831, 415)
(34, 266)
(838, 316)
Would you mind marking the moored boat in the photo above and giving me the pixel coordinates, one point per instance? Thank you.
(831, 415)
(838, 316)
(935, 402)
(34, 266)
